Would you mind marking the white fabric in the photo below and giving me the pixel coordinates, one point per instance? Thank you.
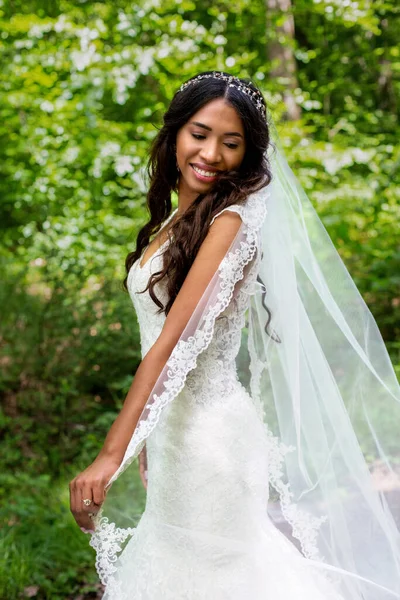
(205, 532)
(237, 413)
(328, 387)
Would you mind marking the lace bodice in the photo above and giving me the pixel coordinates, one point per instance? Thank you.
(216, 368)
(150, 321)
(215, 375)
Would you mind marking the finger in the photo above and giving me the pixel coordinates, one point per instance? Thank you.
(76, 509)
(143, 476)
(98, 495)
(143, 460)
(73, 497)
(86, 523)
(86, 499)
(82, 512)
(145, 457)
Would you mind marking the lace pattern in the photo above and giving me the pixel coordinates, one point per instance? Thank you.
(223, 320)
(107, 541)
(305, 527)
(184, 357)
(106, 538)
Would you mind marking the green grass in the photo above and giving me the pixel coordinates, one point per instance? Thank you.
(42, 550)
(40, 544)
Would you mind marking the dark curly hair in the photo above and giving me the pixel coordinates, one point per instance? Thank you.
(233, 187)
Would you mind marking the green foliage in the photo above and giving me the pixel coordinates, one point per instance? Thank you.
(83, 89)
(41, 547)
(67, 363)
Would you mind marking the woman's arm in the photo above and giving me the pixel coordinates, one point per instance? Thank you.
(91, 483)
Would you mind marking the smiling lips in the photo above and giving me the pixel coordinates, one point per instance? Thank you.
(208, 174)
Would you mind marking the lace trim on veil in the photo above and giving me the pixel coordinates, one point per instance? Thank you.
(305, 527)
(108, 539)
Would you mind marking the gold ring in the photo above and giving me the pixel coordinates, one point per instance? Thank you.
(87, 502)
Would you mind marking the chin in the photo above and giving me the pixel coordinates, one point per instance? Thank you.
(198, 187)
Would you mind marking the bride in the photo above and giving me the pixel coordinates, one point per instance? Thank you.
(263, 374)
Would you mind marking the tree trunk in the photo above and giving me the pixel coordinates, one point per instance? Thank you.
(280, 51)
(387, 93)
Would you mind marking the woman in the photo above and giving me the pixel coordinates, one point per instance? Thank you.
(199, 289)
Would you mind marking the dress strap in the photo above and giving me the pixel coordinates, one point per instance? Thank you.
(233, 208)
(168, 219)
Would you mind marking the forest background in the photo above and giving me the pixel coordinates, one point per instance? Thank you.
(83, 89)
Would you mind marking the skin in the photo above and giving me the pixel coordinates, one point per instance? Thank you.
(208, 143)
(213, 139)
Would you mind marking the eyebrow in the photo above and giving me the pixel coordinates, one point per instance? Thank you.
(235, 133)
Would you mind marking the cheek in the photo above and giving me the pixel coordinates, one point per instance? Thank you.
(184, 145)
(237, 160)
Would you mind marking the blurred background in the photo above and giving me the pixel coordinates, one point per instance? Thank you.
(83, 89)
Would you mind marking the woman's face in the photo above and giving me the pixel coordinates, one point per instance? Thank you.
(211, 141)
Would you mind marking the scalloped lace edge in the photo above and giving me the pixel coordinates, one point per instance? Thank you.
(305, 527)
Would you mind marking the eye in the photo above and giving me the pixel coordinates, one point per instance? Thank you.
(231, 146)
(197, 136)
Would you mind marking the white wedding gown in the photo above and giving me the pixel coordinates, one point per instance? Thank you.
(205, 533)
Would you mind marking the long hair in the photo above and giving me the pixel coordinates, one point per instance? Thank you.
(233, 187)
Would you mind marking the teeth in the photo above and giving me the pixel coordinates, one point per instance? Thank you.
(204, 173)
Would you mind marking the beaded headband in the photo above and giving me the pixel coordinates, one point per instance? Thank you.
(255, 95)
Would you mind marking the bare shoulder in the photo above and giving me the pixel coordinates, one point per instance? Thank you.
(226, 225)
(220, 236)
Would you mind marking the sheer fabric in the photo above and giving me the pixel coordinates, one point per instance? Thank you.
(328, 392)
(313, 381)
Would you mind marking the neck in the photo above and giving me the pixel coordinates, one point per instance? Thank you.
(185, 197)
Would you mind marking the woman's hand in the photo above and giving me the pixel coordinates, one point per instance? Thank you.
(90, 485)
(143, 466)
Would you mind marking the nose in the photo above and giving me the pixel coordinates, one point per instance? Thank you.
(210, 152)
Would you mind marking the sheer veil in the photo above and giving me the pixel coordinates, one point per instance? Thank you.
(321, 378)
(328, 393)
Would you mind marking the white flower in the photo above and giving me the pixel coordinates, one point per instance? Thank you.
(110, 149)
(220, 40)
(145, 60)
(47, 106)
(123, 165)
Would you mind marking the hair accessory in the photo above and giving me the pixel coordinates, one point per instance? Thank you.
(255, 95)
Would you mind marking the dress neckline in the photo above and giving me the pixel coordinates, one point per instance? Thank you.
(140, 266)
